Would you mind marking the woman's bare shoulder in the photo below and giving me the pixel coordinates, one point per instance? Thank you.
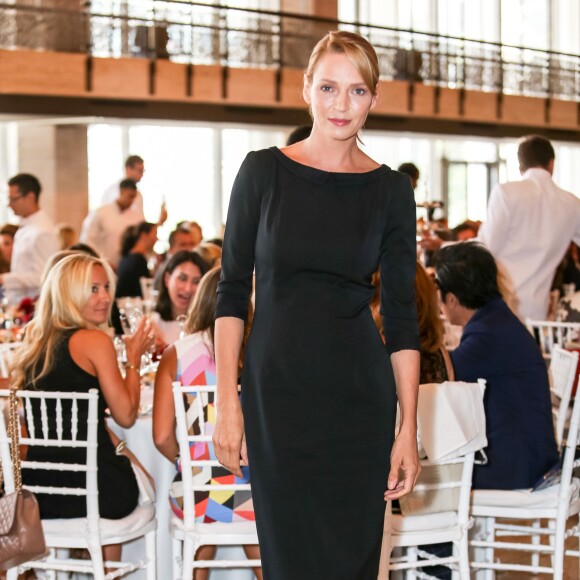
(92, 336)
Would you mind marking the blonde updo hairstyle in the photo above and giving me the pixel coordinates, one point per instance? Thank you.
(64, 294)
(359, 51)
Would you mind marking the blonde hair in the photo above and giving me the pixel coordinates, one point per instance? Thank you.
(63, 296)
(211, 253)
(359, 51)
(53, 260)
(430, 324)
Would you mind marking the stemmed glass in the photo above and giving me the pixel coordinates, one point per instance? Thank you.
(181, 319)
(130, 320)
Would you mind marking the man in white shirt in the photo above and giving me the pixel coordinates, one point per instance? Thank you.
(103, 228)
(529, 226)
(34, 242)
(134, 170)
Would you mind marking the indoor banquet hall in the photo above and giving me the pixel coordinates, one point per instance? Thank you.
(169, 168)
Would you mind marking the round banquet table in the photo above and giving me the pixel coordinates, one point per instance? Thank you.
(139, 439)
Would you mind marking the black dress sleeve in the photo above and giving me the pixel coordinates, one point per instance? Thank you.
(131, 268)
(398, 265)
(235, 285)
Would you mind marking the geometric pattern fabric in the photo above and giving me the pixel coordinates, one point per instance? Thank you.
(196, 366)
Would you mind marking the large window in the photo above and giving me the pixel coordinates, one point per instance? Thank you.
(190, 168)
(517, 22)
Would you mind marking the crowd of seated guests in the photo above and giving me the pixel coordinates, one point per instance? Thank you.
(494, 346)
(65, 346)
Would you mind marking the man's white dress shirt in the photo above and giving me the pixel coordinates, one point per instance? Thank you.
(530, 224)
(112, 193)
(103, 228)
(34, 243)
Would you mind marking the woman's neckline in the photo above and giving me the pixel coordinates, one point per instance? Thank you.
(310, 168)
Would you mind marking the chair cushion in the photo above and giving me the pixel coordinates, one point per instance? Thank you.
(218, 527)
(522, 498)
(140, 516)
(439, 521)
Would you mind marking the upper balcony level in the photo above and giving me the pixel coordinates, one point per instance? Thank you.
(169, 55)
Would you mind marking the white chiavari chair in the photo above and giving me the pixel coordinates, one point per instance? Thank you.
(188, 534)
(91, 532)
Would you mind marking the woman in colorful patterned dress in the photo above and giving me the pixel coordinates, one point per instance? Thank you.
(191, 361)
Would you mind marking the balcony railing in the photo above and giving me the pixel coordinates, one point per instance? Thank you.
(199, 33)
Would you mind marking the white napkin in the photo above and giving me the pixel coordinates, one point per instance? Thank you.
(451, 419)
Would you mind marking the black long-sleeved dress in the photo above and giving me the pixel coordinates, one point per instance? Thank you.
(318, 392)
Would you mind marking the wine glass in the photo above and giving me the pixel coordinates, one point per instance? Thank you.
(130, 320)
(181, 321)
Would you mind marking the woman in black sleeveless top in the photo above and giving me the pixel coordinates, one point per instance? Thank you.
(66, 350)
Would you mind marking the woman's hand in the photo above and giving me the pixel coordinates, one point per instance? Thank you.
(140, 342)
(405, 459)
(229, 439)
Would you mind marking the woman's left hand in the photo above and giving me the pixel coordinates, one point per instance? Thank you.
(405, 459)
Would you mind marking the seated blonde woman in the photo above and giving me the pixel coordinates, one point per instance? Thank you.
(66, 349)
(195, 352)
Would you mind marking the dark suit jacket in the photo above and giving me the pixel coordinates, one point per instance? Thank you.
(497, 347)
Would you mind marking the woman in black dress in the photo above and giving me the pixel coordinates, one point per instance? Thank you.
(319, 388)
(65, 349)
(136, 245)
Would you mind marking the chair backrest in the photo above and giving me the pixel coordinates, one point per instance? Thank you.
(6, 353)
(451, 418)
(563, 375)
(442, 486)
(56, 404)
(570, 462)
(548, 334)
(451, 422)
(194, 429)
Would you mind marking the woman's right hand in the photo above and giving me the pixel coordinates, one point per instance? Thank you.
(139, 342)
(229, 439)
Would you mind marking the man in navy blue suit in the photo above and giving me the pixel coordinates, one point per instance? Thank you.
(497, 347)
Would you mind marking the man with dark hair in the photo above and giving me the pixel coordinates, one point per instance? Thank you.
(181, 238)
(529, 226)
(412, 171)
(497, 347)
(102, 228)
(34, 242)
(134, 170)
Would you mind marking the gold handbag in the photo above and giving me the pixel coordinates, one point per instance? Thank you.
(21, 535)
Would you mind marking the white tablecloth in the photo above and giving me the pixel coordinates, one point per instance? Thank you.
(139, 440)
